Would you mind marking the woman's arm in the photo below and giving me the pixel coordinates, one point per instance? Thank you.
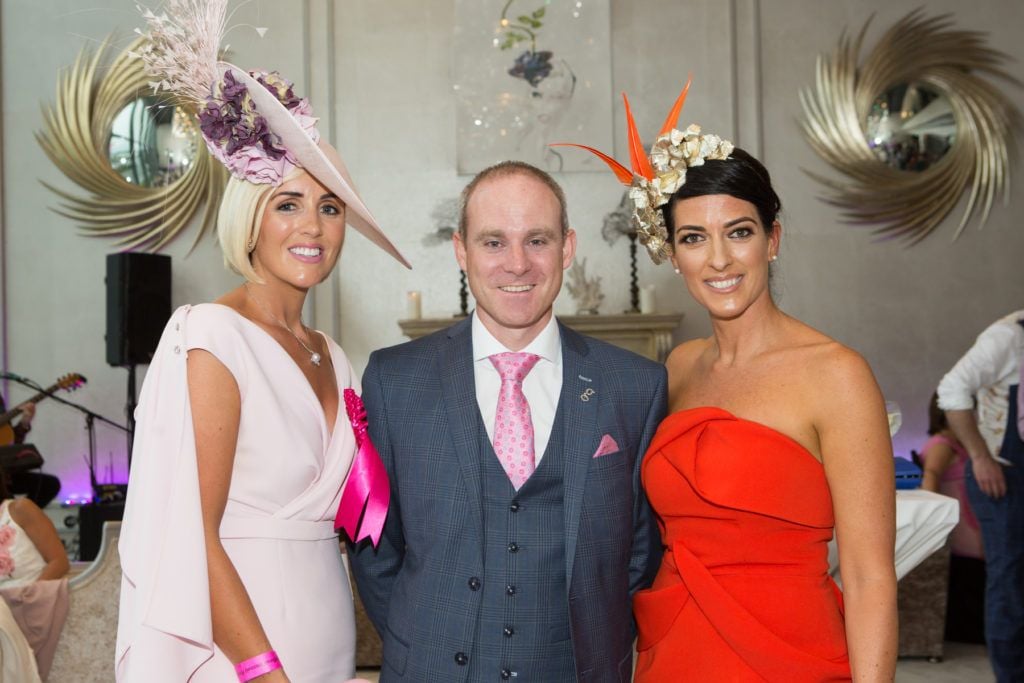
(937, 458)
(857, 455)
(216, 411)
(41, 532)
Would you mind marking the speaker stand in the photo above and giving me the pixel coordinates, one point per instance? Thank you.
(129, 407)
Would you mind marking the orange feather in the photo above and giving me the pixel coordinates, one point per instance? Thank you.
(624, 175)
(673, 116)
(637, 156)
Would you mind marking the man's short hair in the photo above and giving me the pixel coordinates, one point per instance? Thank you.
(509, 168)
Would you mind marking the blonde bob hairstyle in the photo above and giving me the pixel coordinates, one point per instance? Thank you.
(239, 220)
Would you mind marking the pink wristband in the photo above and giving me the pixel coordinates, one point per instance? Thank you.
(257, 666)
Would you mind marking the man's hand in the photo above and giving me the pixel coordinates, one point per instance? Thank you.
(989, 475)
(28, 413)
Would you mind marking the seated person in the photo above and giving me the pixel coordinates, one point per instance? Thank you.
(39, 487)
(17, 662)
(30, 549)
(943, 459)
(32, 599)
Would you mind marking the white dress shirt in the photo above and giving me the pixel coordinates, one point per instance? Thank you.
(542, 386)
(987, 371)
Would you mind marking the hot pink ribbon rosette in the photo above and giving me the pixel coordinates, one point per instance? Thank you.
(367, 493)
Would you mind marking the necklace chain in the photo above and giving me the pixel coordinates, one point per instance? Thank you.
(314, 357)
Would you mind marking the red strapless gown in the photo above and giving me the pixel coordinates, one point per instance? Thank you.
(743, 592)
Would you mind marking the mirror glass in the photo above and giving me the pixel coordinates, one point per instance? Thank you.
(152, 144)
(910, 127)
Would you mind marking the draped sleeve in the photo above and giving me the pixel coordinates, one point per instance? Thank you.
(165, 627)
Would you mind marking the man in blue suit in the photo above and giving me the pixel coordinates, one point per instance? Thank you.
(518, 529)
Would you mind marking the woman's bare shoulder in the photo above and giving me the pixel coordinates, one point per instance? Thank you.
(818, 352)
(687, 353)
(826, 371)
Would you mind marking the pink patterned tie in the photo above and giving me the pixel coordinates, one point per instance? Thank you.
(513, 426)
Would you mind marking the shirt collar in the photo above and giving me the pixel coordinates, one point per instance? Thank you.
(547, 344)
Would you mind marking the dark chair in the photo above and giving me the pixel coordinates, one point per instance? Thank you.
(921, 600)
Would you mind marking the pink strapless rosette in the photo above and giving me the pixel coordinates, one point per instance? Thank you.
(367, 493)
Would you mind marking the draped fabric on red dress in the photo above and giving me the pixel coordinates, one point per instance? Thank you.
(743, 592)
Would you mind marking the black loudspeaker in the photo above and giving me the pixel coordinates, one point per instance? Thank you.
(90, 527)
(138, 305)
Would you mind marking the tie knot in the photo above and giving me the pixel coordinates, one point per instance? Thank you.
(514, 367)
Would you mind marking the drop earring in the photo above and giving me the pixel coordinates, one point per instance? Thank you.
(249, 245)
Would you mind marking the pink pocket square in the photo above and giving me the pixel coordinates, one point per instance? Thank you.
(606, 446)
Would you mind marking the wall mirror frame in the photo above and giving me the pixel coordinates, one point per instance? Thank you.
(143, 209)
(948, 132)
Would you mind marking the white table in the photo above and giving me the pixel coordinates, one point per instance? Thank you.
(923, 521)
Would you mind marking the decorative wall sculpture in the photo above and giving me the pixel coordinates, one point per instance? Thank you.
(140, 158)
(913, 126)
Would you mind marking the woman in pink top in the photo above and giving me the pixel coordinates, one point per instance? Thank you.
(943, 459)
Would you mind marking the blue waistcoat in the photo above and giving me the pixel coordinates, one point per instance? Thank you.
(522, 629)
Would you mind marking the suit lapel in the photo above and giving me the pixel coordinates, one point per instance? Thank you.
(455, 365)
(581, 395)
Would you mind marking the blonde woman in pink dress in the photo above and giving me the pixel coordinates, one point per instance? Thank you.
(250, 441)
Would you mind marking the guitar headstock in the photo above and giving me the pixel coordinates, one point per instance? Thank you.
(70, 381)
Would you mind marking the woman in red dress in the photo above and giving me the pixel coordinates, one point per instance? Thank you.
(777, 435)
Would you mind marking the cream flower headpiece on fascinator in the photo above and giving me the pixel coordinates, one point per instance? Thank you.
(252, 121)
(654, 180)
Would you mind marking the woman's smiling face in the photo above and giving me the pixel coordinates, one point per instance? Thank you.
(722, 251)
(302, 232)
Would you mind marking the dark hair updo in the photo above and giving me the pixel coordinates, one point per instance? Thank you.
(740, 176)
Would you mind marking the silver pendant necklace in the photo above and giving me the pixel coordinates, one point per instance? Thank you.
(314, 357)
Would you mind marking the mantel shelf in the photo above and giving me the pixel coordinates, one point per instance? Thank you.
(648, 334)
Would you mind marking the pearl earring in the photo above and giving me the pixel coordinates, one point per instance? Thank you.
(677, 271)
(775, 257)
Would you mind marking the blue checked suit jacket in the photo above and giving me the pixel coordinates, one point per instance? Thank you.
(424, 420)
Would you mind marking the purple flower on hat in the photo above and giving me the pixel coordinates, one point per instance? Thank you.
(240, 137)
(232, 90)
(255, 166)
(213, 122)
(280, 88)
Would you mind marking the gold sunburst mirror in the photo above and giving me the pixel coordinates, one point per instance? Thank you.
(141, 159)
(912, 127)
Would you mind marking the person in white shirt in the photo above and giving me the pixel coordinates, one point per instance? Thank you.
(980, 397)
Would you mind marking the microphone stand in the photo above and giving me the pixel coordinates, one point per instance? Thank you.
(90, 420)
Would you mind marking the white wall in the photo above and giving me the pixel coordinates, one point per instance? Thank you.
(379, 74)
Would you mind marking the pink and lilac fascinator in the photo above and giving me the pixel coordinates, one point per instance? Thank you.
(252, 121)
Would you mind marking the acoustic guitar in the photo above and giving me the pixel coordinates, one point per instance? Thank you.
(68, 382)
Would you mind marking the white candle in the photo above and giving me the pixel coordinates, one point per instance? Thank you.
(647, 299)
(413, 309)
